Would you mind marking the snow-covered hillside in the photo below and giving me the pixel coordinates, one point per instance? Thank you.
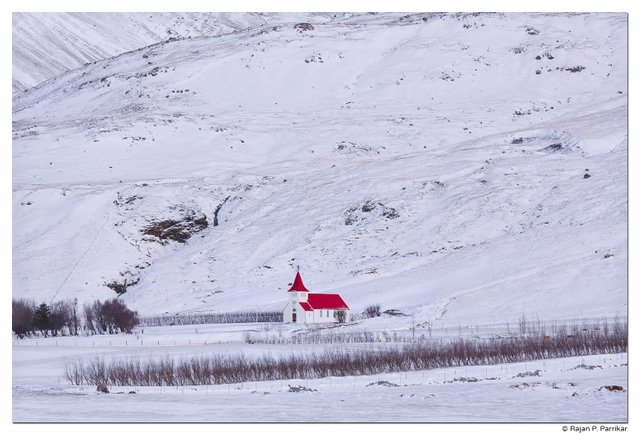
(461, 168)
(48, 44)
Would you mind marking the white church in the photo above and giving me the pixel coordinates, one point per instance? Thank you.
(305, 307)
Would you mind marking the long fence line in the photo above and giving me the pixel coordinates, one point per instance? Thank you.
(424, 333)
(213, 318)
(324, 335)
(131, 342)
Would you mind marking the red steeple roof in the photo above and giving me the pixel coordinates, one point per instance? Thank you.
(298, 286)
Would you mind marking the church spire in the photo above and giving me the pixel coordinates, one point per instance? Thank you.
(298, 285)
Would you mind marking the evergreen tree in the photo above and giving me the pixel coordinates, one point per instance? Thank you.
(41, 319)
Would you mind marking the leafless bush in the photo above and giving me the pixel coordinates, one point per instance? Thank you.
(119, 316)
(73, 319)
(22, 311)
(89, 320)
(372, 311)
(100, 321)
(59, 317)
(111, 316)
(522, 324)
(74, 372)
(340, 315)
(220, 369)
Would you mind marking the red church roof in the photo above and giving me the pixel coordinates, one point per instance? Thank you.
(305, 306)
(298, 286)
(326, 301)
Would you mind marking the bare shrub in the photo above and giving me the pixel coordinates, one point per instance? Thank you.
(89, 319)
(111, 316)
(74, 372)
(22, 312)
(73, 320)
(220, 369)
(340, 316)
(522, 324)
(100, 319)
(119, 317)
(372, 311)
(58, 317)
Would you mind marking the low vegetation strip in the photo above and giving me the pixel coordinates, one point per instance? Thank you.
(223, 369)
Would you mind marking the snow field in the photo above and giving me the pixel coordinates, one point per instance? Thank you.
(560, 393)
(461, 169)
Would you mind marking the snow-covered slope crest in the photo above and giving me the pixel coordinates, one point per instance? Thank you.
(462, 168)
(48, 44)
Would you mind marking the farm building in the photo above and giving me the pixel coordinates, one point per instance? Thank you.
(306, 307)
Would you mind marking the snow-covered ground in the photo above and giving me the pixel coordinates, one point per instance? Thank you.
(419, 162)
(560, 392)
(462, 169)
(48, 44)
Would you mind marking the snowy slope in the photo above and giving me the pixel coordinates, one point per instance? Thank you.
(48, 44)
(431, 163)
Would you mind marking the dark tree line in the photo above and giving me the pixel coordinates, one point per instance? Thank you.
(66, 318)
(59, 318)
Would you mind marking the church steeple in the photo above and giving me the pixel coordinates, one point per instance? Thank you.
(298, 285)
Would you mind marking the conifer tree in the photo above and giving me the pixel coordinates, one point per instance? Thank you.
(41, 319)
